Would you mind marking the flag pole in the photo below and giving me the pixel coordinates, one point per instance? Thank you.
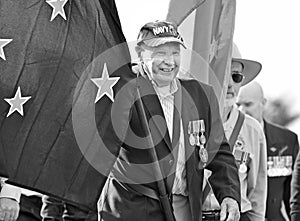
(163, 194)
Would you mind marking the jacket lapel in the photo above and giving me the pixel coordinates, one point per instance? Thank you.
(189, 113)
(176, 133)
(153, 109)
(193, 111)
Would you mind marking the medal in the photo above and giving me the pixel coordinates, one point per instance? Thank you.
(202, 126)
(203, 155)
(279, 166)
(198, 140)
(244, 160)
(196, 126)
(288, 164)
(202, 139)
(190, 128)
(288, 161)
(196, 131)
(193, 131)
(192, 140)
(243, 168)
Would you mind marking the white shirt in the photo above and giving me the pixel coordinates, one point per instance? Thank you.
(14, 192)
(254, 181)
(166, 98)
(10, 191)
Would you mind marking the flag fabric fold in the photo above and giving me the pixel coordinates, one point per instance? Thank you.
(208, 31)
(53, 62)
(179, 10)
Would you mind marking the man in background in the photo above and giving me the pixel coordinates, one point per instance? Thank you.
(248, 146)
(282, 149)
(295, 191)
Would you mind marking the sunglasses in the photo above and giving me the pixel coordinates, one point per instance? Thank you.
(237, 77)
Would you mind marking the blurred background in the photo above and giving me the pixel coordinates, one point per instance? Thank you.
(267, 31)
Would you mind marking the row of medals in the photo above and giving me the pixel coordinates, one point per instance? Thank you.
(196, 130)
(280, 166)
(241, 158)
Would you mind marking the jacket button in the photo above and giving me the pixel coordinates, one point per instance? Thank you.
(170, 162)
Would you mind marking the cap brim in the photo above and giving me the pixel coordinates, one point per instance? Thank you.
(251, 69)
(154, 42)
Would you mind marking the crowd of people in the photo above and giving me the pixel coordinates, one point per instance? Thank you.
(211, 166)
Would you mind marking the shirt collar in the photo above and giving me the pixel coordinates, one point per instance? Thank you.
(166, 91)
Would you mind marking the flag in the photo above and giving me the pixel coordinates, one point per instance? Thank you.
(180, 10)
(208, 29)
(3, 171)
(65, 62)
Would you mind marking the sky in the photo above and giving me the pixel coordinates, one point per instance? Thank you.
(268, 31)
(265, 30)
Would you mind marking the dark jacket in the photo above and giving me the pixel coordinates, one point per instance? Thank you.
(295, 191)
(280, 142)
(119, 199)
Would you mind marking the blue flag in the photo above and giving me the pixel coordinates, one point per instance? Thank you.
(62, 65)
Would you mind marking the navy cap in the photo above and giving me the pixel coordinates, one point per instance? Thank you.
(157, 33)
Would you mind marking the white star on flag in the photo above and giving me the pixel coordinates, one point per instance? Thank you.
(3, 42)
(58, 8)
(16, 103)
(215, 46)
(105, 85)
